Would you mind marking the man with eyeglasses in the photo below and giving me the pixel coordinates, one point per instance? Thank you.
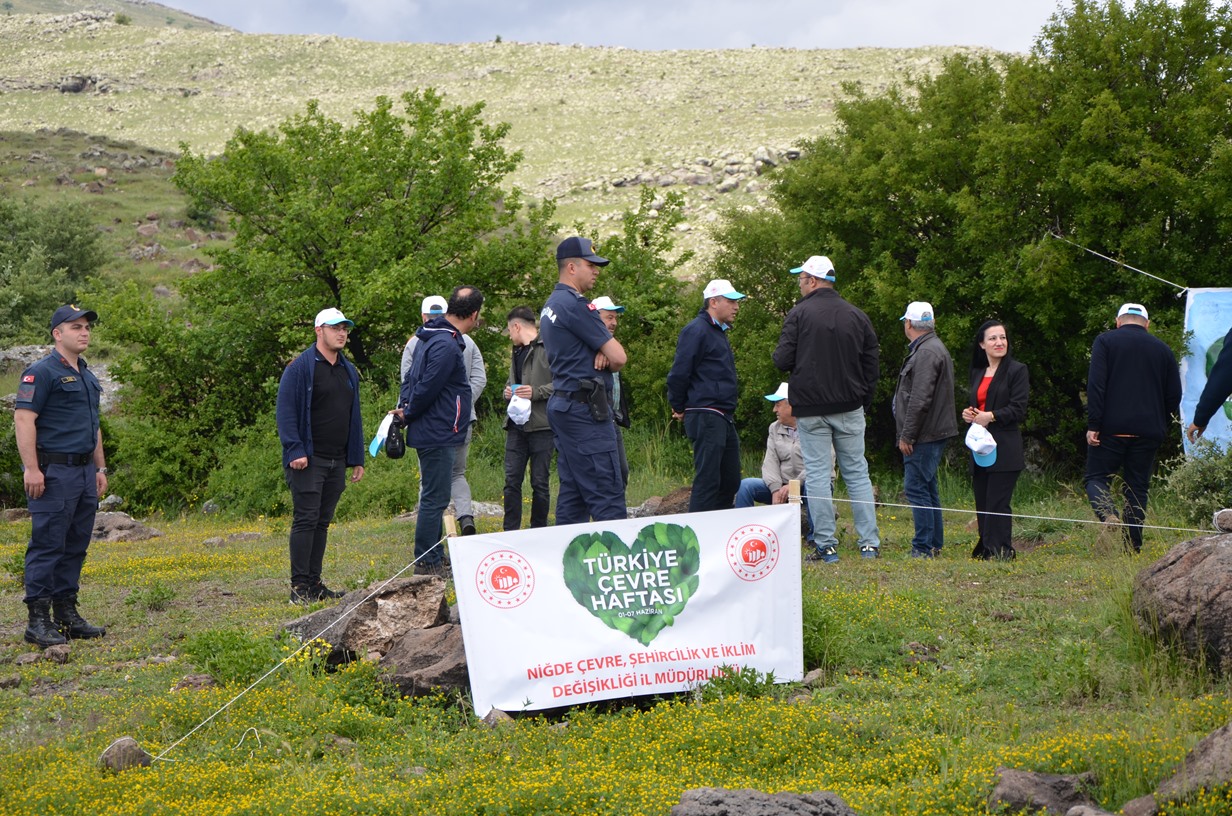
(322, 435)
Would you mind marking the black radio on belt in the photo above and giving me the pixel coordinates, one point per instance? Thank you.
(46, 458)
(594, 393)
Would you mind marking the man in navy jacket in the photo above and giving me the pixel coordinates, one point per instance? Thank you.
(702, 390)
(322, 435)
(435, 401)
(1133, 391)
(1218, 387)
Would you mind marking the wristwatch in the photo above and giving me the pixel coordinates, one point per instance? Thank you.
(103, 470)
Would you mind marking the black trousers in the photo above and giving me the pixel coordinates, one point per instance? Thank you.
(536, 448)
(993, 492)
(1133, 458)
(716, 460)
(315, 491)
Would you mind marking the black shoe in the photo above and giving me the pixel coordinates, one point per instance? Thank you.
(438, 570)
(302, 595)
(323, 593)
(41, 631)
(466, 524)
(70, 620)
(827, 555)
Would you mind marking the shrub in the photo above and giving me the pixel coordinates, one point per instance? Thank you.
(153, 598)
(1198, 483)
(232, 655)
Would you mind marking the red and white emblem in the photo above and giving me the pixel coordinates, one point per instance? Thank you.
(505, 579)
(753, 552)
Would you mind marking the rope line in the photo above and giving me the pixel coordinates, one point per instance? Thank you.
(291, 656)
(1120, 263)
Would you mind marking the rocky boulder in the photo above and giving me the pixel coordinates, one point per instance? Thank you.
(374, 618)
(1029, 792)
(1186, 597)
(1208, 765)
(722, 802)
(121, 527)
(426, 660)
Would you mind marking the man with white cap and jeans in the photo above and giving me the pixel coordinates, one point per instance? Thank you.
(702, 390)
(320, 426)
(1133, 392)
(924, 419)
(830, 349)
(477, 375)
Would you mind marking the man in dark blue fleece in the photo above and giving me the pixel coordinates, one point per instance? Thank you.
(436, 408)
(702, 391)
(1133, 392)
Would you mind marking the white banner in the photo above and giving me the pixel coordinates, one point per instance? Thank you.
(1208, 316)
(568, 615)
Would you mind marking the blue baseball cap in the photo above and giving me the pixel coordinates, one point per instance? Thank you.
(577, 247)
(70, 312)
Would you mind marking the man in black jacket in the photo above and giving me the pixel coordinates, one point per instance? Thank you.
(831, 351)
(702, 391)
(1218, 387)
(1133, 391)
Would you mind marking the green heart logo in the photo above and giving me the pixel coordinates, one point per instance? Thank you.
(638, 590)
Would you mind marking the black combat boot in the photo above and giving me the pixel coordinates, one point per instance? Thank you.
(71, 623)
(41, 631)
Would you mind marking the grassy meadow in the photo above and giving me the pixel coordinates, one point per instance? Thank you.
(934, 674)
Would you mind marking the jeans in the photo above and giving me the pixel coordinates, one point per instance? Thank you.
(315, 491)
(435, 474)
(522, 447)
(844, 434)
(716, 460)
(459, 488)
(920, 485)
(62, 521)
(754, 491)
(1134, 458)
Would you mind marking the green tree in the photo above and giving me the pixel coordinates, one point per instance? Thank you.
(1112, 133)
(367, 218)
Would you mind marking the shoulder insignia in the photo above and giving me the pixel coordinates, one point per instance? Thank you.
(28, 378)
(68, 379)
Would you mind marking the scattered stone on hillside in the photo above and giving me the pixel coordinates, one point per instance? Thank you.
(57, 654)
(194, 265)
(28, 659)
(728, 185)
(814, 678)
(146, 253)
(162, 292)
(1208, 765)
(1018, 791)
(1223, 521)
(152, 216)
(192, 236)
(675, 502)
(359, 623)
(1142, 806)
(121, 527)
(194, 682)
(1186, 597)
(10, 681)
(497, 719)
(426, 660)
(77, 83)
(722, 802)
(15, 514)
(123, 754)
(147, 230)
(1087, 810)
(110, 503)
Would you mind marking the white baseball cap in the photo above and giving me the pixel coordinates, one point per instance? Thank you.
(604, 304)
(819, 266)
(1133, 309)
(983, 446)
(332, 317)
(780, 394)
(918, 311)
(434, 304)
(721, 288)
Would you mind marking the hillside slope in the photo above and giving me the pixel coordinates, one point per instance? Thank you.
(589, 120)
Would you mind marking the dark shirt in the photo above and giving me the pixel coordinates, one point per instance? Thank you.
(703, 373)
(1133, 384)
(572, 332)
(331, 409)
(1218, 385)
(519, 359)
(66, 401)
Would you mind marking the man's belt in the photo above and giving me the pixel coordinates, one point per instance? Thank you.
(576, 396)
(74, 459)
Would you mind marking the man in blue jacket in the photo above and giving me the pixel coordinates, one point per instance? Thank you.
(1218, 387)
(1133, 391)
(702, 391)
(322, 435)
(435, 402)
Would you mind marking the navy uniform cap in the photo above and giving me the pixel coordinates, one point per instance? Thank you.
(576, 247)
(71, 312)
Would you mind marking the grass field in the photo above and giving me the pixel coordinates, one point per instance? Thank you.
(935, 673)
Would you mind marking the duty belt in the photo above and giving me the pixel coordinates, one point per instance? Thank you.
(74, 459)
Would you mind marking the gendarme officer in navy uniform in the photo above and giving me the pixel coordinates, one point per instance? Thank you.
(64, 471)
(582, 355)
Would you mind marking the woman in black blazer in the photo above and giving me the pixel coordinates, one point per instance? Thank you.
(1000, 387)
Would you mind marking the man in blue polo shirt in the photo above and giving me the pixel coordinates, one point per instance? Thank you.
(64, 473)
(582, 355)
(702, 390)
